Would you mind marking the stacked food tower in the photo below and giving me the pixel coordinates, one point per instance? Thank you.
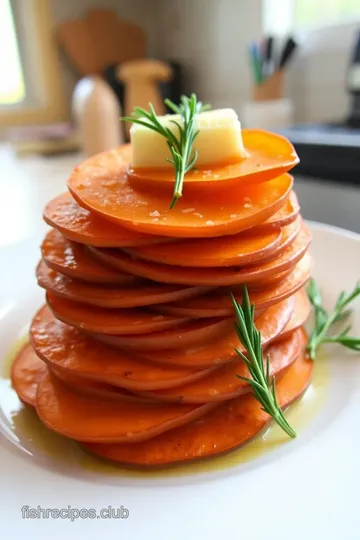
(134, 354)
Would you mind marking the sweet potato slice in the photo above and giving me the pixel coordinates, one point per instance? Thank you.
(79, 225)
(125, 151)
(101, 185)
(238, 249)
(28, 369)
(260, 286)
(109, 321)
(65, 348)
(209, 276)
(248, 247)
(286, 215)
(143, 294)
(228, 427)
(26, 372)
(218, 303)
(76, 261)
(192, 334)
(268, 156)
(98, 389)
(86, 418)
(224, 383)
(302, 310)
(222, 350)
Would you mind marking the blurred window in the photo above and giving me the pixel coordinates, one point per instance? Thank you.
(284, 16)
(30, 79)
(310, 13)
(12, 85)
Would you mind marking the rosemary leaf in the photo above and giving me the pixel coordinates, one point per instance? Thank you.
(262, 386)
(324, 322)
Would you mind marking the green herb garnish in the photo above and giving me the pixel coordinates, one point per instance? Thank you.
(260, 381)
(181, 143)
(324, 321)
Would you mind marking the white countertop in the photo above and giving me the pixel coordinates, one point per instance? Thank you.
(28, 183)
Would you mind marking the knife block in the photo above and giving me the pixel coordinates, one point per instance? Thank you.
(271, 88)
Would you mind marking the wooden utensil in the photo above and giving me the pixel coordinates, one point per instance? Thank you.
(141, 79)
(99, 39)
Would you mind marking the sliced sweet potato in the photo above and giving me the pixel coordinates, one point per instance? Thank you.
(259, 286)
(125, 151)
(238, 249)
(76, 261)
(218, 302)
(288, 236)
(28, 369)
(248, 247)
(65, 348)
(194, 333)
(224, 383)
(267, 156)
(222, 350)
(86, 418)
(79, 225)
(286, 215)
(26, 372)
(209, 276)
(98, 389)
(109, 321)
(228, 427)
(143, 294)
(101, 185)
(302, 310)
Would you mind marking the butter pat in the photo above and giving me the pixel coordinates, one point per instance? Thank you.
(219, 140)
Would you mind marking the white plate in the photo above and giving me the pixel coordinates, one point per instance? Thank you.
(306, 488)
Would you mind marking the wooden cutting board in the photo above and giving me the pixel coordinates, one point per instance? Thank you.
(99, 39)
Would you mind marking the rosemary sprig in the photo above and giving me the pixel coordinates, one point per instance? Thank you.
(260, 381)
(183, 156)
(324, 321)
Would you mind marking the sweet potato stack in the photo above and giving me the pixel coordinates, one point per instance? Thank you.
(134, 353)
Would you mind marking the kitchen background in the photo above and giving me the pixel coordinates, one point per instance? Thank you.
(45, 110)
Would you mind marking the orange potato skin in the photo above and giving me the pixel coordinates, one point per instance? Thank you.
(109, 321)
(192, 334)
(249, 247)
(302, 310)
(101, 185)
(218, 303)
(225, 428)
(65, 348)
(257, 273)
(89, 418)
(76, 261)
(270, 323)
(26, 371)
(287, 214)
(145, 294)
(224, 384)
(79, 225)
